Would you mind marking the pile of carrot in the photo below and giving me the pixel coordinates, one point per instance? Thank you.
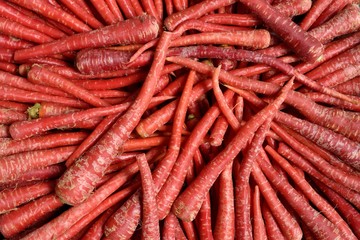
(177, 119)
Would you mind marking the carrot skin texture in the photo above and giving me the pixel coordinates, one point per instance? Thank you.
(16, 221)
(11, 198)
(145, 29)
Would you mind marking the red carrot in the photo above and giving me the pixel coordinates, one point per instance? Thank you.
(17, 30)
(17, 164)
(188, 203)
(315, 11)
(127, 8)
(293, 8)
(113, 139)
(248, 38)
(83, 14)
(259, 225)
(46, 9)
(243, 20)
(312, 195)
(43, 76)
(13, 43)
(145, 30)
(350, 87)
(11, 198)
(301, 42)
(104, 11)
(272, 229)
(331, 101)
(331, 10)
(24, 217)
(8, 11)
(150, 222)
(41, 142)
(8, 116)
(193, 12)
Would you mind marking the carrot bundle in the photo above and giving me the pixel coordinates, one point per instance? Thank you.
(176, 119)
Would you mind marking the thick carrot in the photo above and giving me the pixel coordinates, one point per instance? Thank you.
(11, 198)
(350, 87)
(303, 44)
(145, 28)
(16, 221)
(8, 67)
(188, 203)
(169, 229)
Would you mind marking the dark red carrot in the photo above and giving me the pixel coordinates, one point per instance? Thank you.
(45, 77)
(41, 142)
(272, 229)
(46, 9)
(13, 43)
(150, 222)
(259, 225)
(188, 203)
(17, 30)
(149, 8)
(145, 29)
(8, 67)
(24, 217)
(331, 101)
(193, 12)
(11, 198)
(82, 13)
(299, 41)
(14, 165)
(331, 10)
(343, 207)
(323, 206)
(341, 75)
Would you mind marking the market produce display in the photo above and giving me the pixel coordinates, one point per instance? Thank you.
(176, 119)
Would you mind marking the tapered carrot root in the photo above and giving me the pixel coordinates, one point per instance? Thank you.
(145, 29)
(350, 87)
(11, 43)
